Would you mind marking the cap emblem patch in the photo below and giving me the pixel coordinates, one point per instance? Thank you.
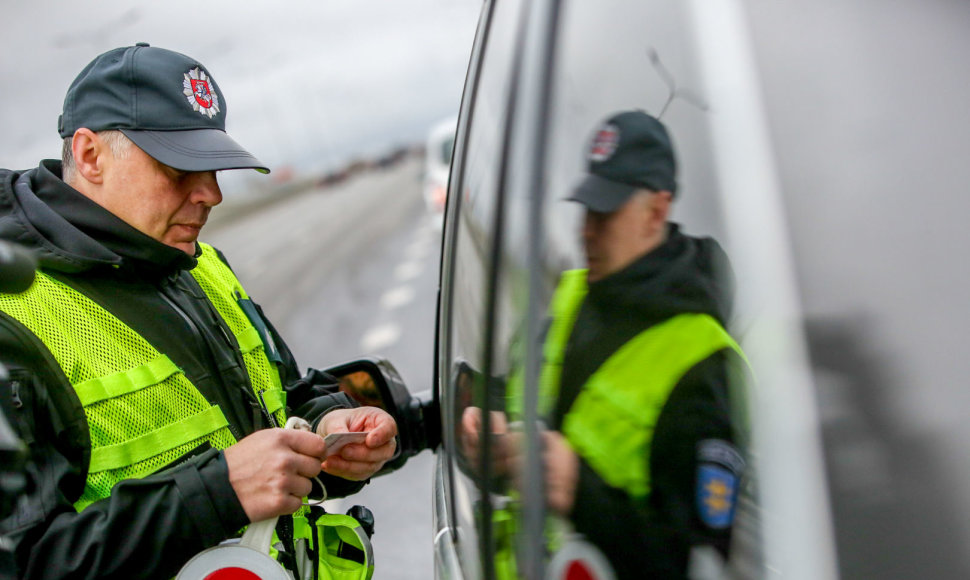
(199, 93)
(604, 143)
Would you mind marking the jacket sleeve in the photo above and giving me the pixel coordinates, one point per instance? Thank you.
(693, 437)
(148, 528)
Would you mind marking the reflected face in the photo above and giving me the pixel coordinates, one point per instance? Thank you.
(165, 203)
(615, 240)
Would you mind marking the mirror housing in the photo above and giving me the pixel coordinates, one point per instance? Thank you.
(373, 381)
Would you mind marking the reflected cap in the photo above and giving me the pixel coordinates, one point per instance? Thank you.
(165, 102)
(629, 151)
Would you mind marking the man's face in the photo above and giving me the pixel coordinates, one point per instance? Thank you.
(615, 240)
(169, 205)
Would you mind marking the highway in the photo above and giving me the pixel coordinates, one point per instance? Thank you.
(343, 272)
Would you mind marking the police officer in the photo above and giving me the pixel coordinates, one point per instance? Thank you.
(640, 453)
(143, 377)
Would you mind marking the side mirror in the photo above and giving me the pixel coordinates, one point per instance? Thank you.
(375, 382)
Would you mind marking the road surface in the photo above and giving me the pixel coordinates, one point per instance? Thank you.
(345, 272)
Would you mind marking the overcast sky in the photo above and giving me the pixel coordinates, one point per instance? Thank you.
(310, 83)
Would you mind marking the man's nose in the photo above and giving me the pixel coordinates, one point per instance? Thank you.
(205, 189)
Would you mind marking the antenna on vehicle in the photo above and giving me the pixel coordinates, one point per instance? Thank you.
(671, 83)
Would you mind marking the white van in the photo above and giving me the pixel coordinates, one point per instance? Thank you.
(440, 143)
(824, 144)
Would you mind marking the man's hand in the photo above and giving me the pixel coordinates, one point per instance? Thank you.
(562, 472)
(358, 461)
(271, 470)
(502, 449)
(560, 461)
(560, 466)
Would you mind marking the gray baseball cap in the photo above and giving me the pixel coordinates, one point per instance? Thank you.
(629, 151)
(165, 102)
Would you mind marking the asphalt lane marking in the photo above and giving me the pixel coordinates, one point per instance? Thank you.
(407, 271)
(419, 247)
(380, 337)
(415, 253)
(389, 333)
(397, 297)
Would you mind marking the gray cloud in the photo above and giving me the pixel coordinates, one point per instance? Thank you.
(308, 83)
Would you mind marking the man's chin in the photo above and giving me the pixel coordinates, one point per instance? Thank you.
(187, 247)
(182, 237)
(594, 270)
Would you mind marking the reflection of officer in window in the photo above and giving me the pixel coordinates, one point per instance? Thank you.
(640, 452)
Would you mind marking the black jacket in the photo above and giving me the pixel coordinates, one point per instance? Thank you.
(683, 275)
(148, 528)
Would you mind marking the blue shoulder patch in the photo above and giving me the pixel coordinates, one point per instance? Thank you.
(716, 493)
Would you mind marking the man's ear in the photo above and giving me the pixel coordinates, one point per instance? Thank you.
(89, 155)
(659, 209)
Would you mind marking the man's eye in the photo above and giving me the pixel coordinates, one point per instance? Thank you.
(176, 173)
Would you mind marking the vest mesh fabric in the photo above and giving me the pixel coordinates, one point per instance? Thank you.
(90, 344)
(142, 411)
(222, 287)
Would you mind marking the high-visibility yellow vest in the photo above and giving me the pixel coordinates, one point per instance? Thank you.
(143, 413)
(226, 293)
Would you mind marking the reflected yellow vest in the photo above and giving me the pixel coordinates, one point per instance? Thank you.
(611, 423)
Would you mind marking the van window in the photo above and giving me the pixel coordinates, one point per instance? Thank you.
(469, 276)
(613, 57)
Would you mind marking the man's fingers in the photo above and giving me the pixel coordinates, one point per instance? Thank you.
(304, 442)
(299, 486)
(353, 470)
(382, 434)
(357, 461)
(271, 470)
(471, 419)
(499, 423)
(306, 466)
(380, 424)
